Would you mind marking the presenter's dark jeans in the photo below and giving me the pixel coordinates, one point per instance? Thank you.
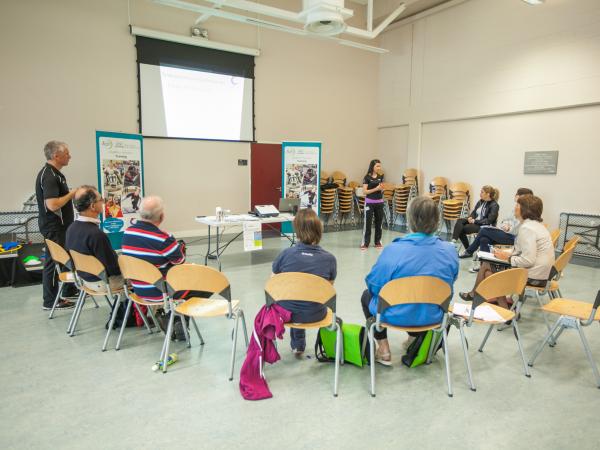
(302, 312)
(490, 236)
(372, 210)
(365, 299)
(462, 228)
(49, 276)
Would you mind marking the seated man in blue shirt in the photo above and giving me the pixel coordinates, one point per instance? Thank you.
(419, 253)
(308, 257)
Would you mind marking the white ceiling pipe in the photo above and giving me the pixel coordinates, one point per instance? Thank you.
(370, 16)
(260, 9)
(373, 34)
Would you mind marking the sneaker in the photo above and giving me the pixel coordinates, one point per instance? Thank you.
(63, 304)
(297, 352)
(465, 254)
(378, 246)
(474, 268)
(364, 247)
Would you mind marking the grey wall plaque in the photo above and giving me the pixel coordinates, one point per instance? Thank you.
(541, 163)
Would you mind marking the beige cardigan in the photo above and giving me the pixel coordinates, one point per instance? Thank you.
(533, 250)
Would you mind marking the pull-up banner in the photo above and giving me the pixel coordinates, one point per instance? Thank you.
(120, 180)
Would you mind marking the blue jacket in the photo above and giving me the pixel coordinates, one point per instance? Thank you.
(412, 255)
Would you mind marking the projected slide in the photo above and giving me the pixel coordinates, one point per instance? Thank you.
(188, 103)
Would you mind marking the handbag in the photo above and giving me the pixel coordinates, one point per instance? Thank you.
(353, 336)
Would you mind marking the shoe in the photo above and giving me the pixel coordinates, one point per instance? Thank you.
(465, 254)
(62, 304)
(378, 246)
(364, 247)
(297, 352)
(474, 269)
(384, 359)
(466, 296)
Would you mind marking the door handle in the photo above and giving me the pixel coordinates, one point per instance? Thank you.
(278, 189)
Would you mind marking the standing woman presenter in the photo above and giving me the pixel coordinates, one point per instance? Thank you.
(373, 204)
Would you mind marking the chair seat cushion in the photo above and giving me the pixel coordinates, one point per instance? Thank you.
(321, 323)
(573, 308)
(206, 307)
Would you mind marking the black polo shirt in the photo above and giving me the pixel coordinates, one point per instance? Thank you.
(373, 183)
(51, 183)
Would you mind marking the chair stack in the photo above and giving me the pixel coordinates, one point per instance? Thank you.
(345, 204)
(324, 177)
(438, 189)
(339, 178)
(328, 201)
(401, 198)
(457, 205)
(388, 205)
(410, 177)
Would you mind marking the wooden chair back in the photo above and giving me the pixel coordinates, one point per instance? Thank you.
(554, 235)
(439, 186)
(300, 286)
(195, 277)
(324, 178)
(500, 284)
(58, 253)
(417, 289)
(354, 184)
(571, 243)
(564, 259)
(139, 270)
(88, 264)
(339, 178)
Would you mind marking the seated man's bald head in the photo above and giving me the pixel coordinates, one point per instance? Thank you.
(152, 209)
(85, 196)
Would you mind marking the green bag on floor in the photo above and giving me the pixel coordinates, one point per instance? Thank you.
(353, 335)
(418, 350)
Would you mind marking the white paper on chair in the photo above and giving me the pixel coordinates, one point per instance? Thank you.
(482, 312)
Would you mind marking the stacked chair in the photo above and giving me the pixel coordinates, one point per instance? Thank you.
(457, 205)
(324, 177)
(402, 195)
(339, 178)
(388, 205)
(438, 189)
(410, 177)
(328, 203)
(345, 202)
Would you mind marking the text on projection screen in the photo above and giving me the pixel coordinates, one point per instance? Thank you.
(189, 103)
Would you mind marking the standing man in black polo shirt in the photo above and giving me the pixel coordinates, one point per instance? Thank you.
(55, 213)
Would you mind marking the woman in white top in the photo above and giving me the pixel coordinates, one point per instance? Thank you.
(533, 247)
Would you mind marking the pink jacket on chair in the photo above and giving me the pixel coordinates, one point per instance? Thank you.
(268, 325)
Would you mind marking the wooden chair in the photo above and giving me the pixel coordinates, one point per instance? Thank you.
(575, 315)
(354, 184)
(309, 288)
(438, 189)
(411, 177)
(457, 205)
(417, 289)
(554, 235)
(345, 204)
(137, 270)
(62, 260)
(339, 178)
(91, 265)
(325, 177)
(506, 283)
(328, 202)
(571, 243)
(401, 199)
(194, 277)
(388, 203)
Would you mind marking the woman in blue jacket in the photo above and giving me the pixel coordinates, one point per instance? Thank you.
(419, 253)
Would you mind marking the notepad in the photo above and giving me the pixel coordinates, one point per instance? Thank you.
(482, 312)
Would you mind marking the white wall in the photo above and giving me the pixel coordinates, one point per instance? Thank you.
(480, 83)
(69, 69)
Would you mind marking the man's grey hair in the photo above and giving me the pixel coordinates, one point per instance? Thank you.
(422, 215)
(151, 208)
(52, 148)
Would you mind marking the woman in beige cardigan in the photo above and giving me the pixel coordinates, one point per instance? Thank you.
(533, 248)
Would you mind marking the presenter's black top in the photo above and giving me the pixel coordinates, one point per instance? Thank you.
(51, 183)
(373, 183)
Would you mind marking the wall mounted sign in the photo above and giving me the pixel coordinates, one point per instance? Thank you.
(541, 163)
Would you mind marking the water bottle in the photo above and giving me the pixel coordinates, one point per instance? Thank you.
(171, 359)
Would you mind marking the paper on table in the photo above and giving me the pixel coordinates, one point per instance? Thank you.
(482, 312)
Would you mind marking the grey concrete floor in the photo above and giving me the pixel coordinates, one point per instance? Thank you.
(62, 392)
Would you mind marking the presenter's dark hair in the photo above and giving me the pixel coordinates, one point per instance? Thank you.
(84, 198)
(531, 207)
(372, 165)
(524, 191)
(308, 226)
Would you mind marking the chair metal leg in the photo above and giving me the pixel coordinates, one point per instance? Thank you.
(197, 330)
(60, 288)
(463, 340)
(542, 344)
(81, 294)
(77, 313)
(557, 335)
(372, 350)
(127, 312)
(588, 353)
(338, 353)
(188, 341)
(447, 357)
(167, 342)
(485, 338)
(143, 316)
(541, 303)
(241, 312)
(518, 338)
(96, 305)
(113, 317)
(233, 346)
(434, 343)
(153, 316)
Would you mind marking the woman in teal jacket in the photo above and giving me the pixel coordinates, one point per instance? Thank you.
(419, 253)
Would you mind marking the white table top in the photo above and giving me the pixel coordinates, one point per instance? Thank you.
(238, 219)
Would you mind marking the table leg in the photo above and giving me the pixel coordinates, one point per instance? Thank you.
(208, 250)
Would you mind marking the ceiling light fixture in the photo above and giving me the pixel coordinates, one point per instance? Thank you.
(534, 2)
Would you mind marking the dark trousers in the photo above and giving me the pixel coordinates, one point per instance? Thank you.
(462, 228)
(365, 299)
(490, 236)
(372, 209)
(302, 312)
(49, 276)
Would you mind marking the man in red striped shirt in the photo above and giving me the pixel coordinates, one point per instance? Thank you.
(145, 240)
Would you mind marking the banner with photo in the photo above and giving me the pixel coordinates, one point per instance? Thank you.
(301, 166)
(120, 180)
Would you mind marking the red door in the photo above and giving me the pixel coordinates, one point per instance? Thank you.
(265, 175)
